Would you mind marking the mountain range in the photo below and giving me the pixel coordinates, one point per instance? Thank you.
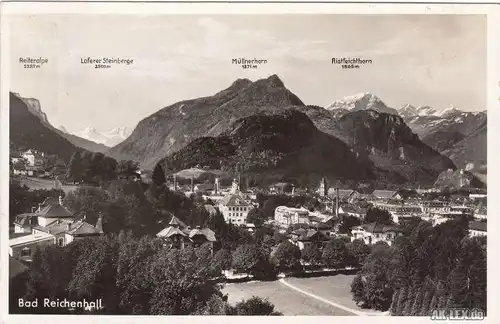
(406, 145)
(374, 133)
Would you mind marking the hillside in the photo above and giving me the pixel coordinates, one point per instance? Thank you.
(34, 107)
(442, 140)
(458, 179)
(283, 146)
(28, 131)
(173, 127)
(471, 152)
(392, 146)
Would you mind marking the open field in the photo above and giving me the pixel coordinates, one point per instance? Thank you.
(334, 289)
(285, 300)
(37, 183)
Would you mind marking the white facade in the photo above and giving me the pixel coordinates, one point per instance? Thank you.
(286, 216)
(372, 238)
(234, 209)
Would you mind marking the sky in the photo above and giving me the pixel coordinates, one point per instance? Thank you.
(435, 60)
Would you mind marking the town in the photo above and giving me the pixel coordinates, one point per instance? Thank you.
(251, 232)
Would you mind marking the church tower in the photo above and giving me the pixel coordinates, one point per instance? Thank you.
(323, 188)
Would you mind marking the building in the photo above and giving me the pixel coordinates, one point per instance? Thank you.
(179, 235)
(205, 188)
(375, 232)
(234, 207)
(323, 188)
(477, 228)
(66, 231)
(345, 195)
(303, 238)
(430, 207)
(400, 211)
(286, 216)
(33, 158)
(386, 195)
(23, 247)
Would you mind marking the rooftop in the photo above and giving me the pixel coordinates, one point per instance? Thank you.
(30, 239)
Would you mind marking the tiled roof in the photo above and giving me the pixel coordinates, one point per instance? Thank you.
(55, 210)
(56, 227)
(233, 200)
(477, 226)
(384, 193)
(343, 193)
(83, 229)
(170, 231)
(312, 234)
(22, 219)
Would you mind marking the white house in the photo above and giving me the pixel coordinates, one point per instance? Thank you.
(234, 208)
(375, 232)
(286, 216)
(34, 158)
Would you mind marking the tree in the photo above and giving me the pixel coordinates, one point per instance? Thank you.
(75, 168)
(335, 254)
(223, 258)
(256, 216)
(401, 264)
(377, 292)
(359, 251)
(255, 306)
(311, 254)
(417, 304)
(87, 201)
(158, 175)
(409, 302)
(468, 278)
(426, 302)
(394, 302)
(94, 275)
(127, 168)
(401, 302)
(246, 258)
(378, 215)
(358, 290)
(287, 257)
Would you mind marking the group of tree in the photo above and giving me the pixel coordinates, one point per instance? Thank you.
(93, 168)
(432, 267)
(266, 259)
(378, 215)
(132, 276)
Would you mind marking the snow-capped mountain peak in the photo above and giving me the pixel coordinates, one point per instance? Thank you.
(109, 138)
(448, 112)
(361, 101)
(410, 111)
(122, 132)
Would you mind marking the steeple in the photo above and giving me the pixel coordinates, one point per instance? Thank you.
(323, 188)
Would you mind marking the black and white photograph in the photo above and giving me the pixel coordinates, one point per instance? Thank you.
(278, 164)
